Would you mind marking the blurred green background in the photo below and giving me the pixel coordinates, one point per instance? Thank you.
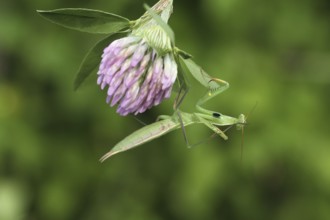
(276, 53)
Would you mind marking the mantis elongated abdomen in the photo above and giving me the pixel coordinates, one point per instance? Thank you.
(168, 124)
(152, 131)
(143, 135)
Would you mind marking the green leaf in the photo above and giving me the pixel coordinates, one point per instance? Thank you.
(143, 135)
(92, 60)
(168, 30)
(86, 20)
(190, 67)
(183, 54)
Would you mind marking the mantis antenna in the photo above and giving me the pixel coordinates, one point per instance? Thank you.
(242, 141)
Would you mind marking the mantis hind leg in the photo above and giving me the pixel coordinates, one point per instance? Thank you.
(184, 87)
(215, 129)
(178, 101)
(183, 91)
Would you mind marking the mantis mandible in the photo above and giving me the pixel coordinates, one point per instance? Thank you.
(165, 124)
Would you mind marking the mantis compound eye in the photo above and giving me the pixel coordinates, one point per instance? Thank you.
(216, 115)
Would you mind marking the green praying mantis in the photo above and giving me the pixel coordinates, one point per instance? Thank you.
(99, 22)
(165, 124)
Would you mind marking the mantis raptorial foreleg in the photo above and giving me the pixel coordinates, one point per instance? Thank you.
(211, 114)
(183, 90)
(214, 90)
(211, 94)
(212, 127)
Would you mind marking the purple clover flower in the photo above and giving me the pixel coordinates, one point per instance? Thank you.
(139, 70)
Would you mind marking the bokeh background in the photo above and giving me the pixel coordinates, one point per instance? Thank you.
(275, 53)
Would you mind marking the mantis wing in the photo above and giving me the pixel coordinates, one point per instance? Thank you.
(143, 135)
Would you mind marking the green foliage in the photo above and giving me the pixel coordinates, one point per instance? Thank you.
(86, 20)
(92, 60)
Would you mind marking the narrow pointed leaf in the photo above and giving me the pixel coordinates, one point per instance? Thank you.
(198, 73)
(168, 30)
(86, 20)
(92, 60)
(142, 136)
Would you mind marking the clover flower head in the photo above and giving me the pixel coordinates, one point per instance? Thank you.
(139, 70)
